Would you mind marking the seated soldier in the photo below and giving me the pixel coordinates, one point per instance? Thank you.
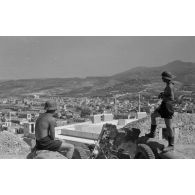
(45, 132)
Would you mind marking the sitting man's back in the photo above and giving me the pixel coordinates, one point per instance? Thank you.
(45, 132)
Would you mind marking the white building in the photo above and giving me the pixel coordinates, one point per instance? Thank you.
(27, 116)
(29, 129)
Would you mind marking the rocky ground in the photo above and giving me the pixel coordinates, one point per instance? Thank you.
(185, 123)
(185, 142)
(187, 150)
(15, 147)
(12, 146)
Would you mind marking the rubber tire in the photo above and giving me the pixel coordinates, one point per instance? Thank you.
(113, 157)
(80, 153)
(144, 152)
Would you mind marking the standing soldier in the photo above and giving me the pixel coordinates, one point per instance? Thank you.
(165, 110)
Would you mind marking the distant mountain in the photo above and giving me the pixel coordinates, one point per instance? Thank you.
(132, 80)
(48, 86)
(184, 72)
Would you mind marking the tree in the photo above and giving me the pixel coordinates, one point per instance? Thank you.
(85, 112)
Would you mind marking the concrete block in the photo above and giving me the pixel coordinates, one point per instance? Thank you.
(141, 115)
(78, 127)
(176, 133)
(96, 118)
(107, 117)
(80, 134)
(122, 122)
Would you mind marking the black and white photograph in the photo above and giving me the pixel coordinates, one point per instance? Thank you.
(97, 97)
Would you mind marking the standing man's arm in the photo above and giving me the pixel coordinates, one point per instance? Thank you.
(52, 126)
(171, 92)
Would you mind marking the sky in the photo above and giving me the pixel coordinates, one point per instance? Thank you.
(62, 57)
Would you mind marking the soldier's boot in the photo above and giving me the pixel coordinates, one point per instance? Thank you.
(170, 144)
(152, 132)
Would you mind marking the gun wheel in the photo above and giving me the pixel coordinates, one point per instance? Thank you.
(80, 153)
(112, 157)
(144, 152)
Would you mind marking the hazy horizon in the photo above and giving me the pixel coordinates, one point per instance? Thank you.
(67, 57)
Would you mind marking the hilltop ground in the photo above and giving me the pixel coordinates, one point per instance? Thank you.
(13, 146)
(185, 122)
(185, 143)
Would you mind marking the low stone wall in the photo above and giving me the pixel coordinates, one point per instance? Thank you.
(186, 125)
(183, 121)
(142, 124)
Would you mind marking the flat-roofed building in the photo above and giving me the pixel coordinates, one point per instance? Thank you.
(25, 115)
(29, 129)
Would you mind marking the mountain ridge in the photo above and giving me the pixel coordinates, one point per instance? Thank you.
(177, 67)
(132, 80)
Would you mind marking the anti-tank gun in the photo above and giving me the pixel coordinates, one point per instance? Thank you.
(114, 144)
(127, 144)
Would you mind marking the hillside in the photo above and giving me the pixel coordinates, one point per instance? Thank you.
(132, 80)
(48, 86)
(184, 72)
